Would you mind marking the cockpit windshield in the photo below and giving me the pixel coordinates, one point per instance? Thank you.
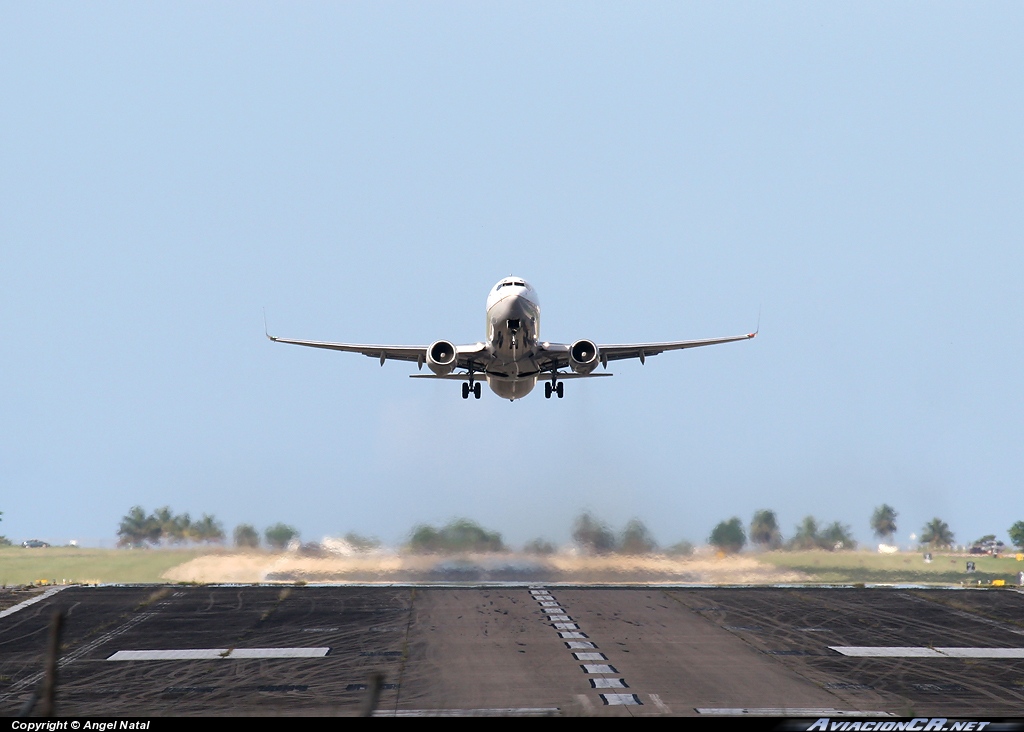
(517, 283)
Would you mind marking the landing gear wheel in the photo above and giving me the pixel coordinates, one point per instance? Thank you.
(476, 390)
(547, 389)
(465, 390)
(558, 388)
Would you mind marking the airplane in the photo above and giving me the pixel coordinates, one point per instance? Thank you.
(513, 358)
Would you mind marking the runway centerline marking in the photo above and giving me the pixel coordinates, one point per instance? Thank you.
(568, 629)
(590, 657)
(606, 683)
(196, 654)
(598, 668)
(621, 699)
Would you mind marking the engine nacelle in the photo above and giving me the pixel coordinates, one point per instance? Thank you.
(583, 356)
(441, 357)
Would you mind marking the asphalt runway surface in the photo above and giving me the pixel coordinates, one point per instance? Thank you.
(526, 650)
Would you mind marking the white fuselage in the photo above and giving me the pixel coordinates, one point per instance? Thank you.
(513, 328)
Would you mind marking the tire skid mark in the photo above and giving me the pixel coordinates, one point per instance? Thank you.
(72, 656)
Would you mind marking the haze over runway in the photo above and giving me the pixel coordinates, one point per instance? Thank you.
(366, 172)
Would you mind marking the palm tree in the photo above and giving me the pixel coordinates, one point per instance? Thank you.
(764, 530)
(806, 536)
(883, 521)
(936, 534)
(207, 529)
(137, 528)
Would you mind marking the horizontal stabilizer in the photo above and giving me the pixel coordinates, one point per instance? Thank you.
(561, 377)
(451, 377)
(483, 377)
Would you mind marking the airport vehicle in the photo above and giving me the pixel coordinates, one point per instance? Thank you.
(34, 544)
(513, 358)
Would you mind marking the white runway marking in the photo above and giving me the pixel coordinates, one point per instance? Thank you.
(279, 652)
(886, 651)
(185, 654)
(621, 699)
(787, 712)
(194, 654)
(925, 652)
(569, 629)
(608, 684)
(508, 712)
(31, 601)
(982, 652)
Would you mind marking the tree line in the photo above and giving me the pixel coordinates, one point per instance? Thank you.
(590, 534)
(163, 526)
(729, 535)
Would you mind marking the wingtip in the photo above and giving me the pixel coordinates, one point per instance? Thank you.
(266, 331)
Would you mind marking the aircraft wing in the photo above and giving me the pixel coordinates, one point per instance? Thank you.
(556, 355)
(416, 354)
(619, 351)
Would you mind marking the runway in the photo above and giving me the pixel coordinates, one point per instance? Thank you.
(526, 650)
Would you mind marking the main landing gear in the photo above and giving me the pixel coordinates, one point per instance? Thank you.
(553, 386)
(467, 388)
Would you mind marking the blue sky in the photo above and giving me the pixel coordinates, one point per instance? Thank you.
(367, 171)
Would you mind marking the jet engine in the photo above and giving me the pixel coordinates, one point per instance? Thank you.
(441, 357)
(583, 356)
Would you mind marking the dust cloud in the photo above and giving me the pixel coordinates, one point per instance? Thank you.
(385, 568)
